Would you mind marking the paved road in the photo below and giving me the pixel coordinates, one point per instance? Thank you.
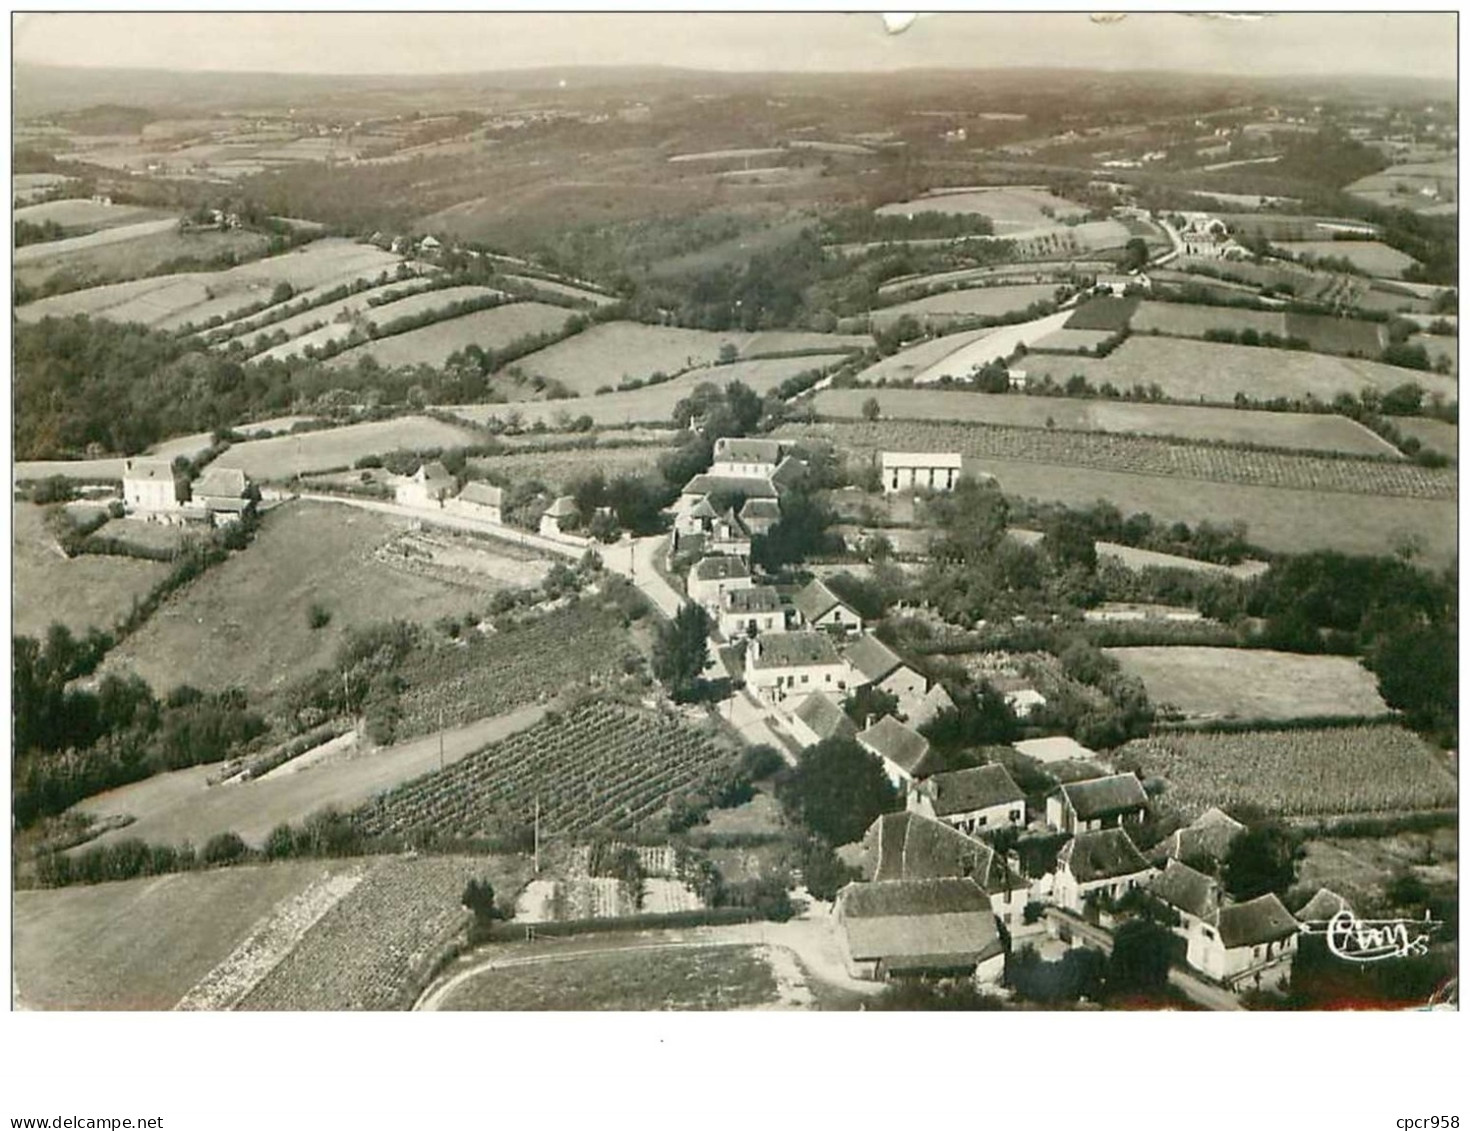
(634, 559)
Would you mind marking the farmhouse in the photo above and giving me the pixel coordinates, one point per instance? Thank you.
(911, 846)
(759, 515)
(1020, 696)
(738, 457)
(151, 489)
(1319, 910)
(477, 500)
(556, 518)
(747, 612)
(818, 717)
(1208, 837)
(1098, 865)
(876, 664)
(1102, 803)
(919, 928)
(936, 700)
(1234, 943)
(223, 494)
(903, 751)
(788, 665)
(819, 607)
(711, 578)
(697, 518)
(429, 486)
(910, 471)
(705, 484)
(973, 801)
(1207, 237)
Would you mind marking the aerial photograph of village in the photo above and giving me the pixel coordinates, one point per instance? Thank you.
(787, 513)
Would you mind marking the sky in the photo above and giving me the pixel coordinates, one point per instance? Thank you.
(1420, 45)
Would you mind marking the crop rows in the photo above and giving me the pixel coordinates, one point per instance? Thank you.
(1142, 455)
(366, 950)
(580, 646)
(600, 767)
(1296, 772)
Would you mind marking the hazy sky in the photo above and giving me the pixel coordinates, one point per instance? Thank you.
(381, 43)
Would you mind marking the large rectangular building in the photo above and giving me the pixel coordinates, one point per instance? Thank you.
(917, 471)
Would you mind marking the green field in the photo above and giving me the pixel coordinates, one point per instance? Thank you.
(88, 591)
(970, 302)
(559, 469)
(1436, 435)
(644, 978)
(490, 329)
(1192, 320)
(1238, 683)
(110, 261)
(1366, 255)
(244, 623)
(1304, 431)
(1011, 209)
(284, 457)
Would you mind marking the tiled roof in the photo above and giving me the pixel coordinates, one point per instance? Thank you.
(1209, 835)
(563, 506)
(1053, 749)
(153, 469)
(893, 741)
(720, 568)
(793, 649)
(220, 482)
(911, 846)
(756, 599)
(1322, 907)
(761, 509)
(1103, 797)
(752, 487)
(481, 494)
(872, 657)
(1103, 854)
(822, 715)
(815, 600)
(435, 472)
(1181, 886)
(734, 449)
(920, 924)
(964, 791)
(788, 473)
(935, 700)
(1260, 920)
(703, 509)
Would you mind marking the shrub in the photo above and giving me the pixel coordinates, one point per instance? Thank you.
(224, 848)
(317, 616)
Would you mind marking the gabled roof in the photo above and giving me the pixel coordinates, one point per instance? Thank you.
(896, 743)
(720, 567)
(922, 924)
(788, 473)
(702, 509)
(1323, 906)
(761, 509)
(964, 791)
(922, 459)
(481, 494)
(737, 529)
(1209, 835)
(793, 649)
(1180, 886)
(824, 717)
(1056, 748)
(1103, 797)
(911, 846)
(815, 600)
(1103, 854)
(563, 506)
(751, 486)
(151, 469)
(221, 482)
(1260, 920)
(738, 449)
(434, 472)
(935, 700)
(756, 599)
(874, 659)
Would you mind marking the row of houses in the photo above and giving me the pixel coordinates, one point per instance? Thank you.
(155, 491)
(432, 487)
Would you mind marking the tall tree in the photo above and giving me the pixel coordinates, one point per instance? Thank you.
(838, 789)
(681, 651)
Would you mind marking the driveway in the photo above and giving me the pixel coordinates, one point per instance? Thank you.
(634, 559)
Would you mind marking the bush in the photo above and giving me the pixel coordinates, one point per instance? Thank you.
(223, 848)
(317, 616)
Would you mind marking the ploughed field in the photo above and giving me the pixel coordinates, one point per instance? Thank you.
(599, 767)
(1297, 772)
(1141, 455)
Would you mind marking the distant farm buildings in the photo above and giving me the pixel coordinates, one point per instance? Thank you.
(913, 471)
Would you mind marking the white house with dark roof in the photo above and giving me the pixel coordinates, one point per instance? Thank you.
(820, 608)
(429, 486)
(478, 500)
(1104, 864)
(974, 801)
(877, 665)
(759, 515)
(1242, 945)
(706, 483)
(750, 612)
(914, 471)
(557, 517)
(931, 928)
(1101, 803)
(746, 457)
(903, 751)
(1207, 838)
(785, 666)
(935, 702)
(222, 494)
(710, 579)
(818, 717)
(911, 846)
(151, 489)
(697, 518)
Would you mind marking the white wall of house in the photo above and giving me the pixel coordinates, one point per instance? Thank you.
(413, 493)
(917, 476)
(150, 495)
(839, 616)
(1072, 894)
(711, 594)
(742, 469)
(482, 511)
(975, 820)
(905, 683)
(735, 626)
(783, 684)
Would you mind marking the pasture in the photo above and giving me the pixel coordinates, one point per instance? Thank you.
(318, 325)
(144, 943)
(490, 329)
(1252, 684)
(1296, 773)
(1191, 320)
(1439, 347)
(120, 254)
(85, 215)
(653, 403)
(1303, 431)
(72, 245)
(88, 591)
(244, 622)
(558, 469)
(678, 977)
(908, 363)
(1399, 186)
(181, 805)
(284, 457)
(1212, 372)
(1071, 341)
(1436, 435)
(1001, 342)
(564, 290)
(970, 302)
(1367, 255)
(1011, 208)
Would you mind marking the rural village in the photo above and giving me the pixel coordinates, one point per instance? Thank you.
(678, 541)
